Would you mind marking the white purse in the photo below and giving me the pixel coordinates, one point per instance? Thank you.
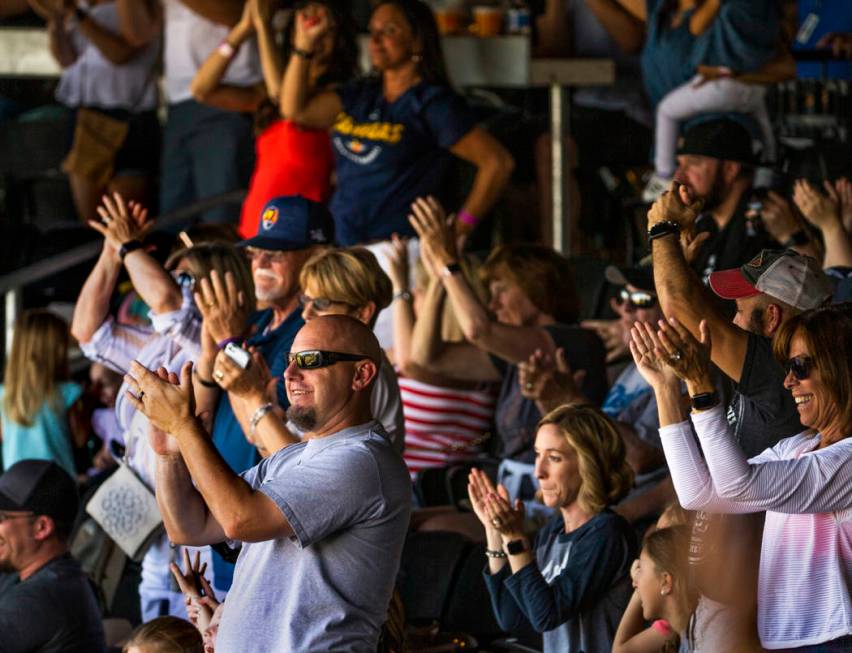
(125, 507)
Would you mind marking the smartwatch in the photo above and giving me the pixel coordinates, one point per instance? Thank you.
(704, 400)
(450, 269)
(515, 547)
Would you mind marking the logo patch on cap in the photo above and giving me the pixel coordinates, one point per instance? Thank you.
(757, 261)
(269, 217)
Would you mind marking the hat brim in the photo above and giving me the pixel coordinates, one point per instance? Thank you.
(731, 284)
(7, 504)
(640, 278)
(265, 242)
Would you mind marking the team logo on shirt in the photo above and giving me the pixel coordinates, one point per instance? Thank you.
(269, 217)
(360, 142)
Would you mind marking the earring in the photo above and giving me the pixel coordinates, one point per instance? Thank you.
(417, 57)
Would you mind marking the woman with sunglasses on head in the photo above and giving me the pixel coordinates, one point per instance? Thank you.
(393, 132)
(804, 593)
(173, 338)
(290, 159)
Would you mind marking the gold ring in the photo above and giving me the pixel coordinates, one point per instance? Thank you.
(528, 386)
(210, 304)
(218, 375)
(496, 522)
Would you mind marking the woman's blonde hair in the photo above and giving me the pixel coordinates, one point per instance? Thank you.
(37, 364)
(604, 473)
(218, 256)
(166, 635)
(350, 275)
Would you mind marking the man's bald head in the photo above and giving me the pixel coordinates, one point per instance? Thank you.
(339, 333)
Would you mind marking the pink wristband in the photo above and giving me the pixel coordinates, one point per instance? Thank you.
(226, 49)
(662, 626)
(468, 218)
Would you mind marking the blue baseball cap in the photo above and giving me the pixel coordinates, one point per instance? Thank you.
(292, 222)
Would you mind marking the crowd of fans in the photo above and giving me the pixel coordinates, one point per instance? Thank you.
(276, 390)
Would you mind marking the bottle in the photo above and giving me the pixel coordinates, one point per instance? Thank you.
(518, 18)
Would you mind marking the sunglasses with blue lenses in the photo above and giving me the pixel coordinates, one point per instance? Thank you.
(800, 366)
(312, 359)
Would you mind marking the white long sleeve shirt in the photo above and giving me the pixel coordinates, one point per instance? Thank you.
(804, 594)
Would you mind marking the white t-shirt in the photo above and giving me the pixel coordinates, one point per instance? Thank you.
(94, 81)
(804, 596)
(190, 39)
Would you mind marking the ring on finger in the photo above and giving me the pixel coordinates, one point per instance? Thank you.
(218, 375)
(528, 386)
(496, 522)
(676, 355)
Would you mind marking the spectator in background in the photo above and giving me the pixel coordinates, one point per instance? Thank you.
(291, 231)
(322, 522)
(392, 133)
(289, 160)
(46, 602)
(109, 84)
(165, 635)
(207, 149)
(535, 305)
(41, 408)
(804, 593)
(572, 582)
(447, 420)
(661, 597)
(173, 338)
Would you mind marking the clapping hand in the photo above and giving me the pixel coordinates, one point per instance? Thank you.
(687, 357)
(493, 508)
(165, 402)
(253, 381)
(650, 358)
(549, 380)
(121, 222)
(200, 598)
(312, 23)
(843, 187)
(398, 268)
(822, 211)
(224, 309)
(435, 230)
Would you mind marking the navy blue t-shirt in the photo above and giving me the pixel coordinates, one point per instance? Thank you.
(228, 436)
(389, 153)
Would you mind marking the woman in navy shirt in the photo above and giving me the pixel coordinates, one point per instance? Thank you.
(393, 133)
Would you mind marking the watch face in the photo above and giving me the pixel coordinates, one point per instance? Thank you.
(516, 546)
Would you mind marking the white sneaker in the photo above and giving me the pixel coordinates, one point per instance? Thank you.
(656, 186)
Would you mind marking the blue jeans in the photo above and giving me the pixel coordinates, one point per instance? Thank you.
(206, 151)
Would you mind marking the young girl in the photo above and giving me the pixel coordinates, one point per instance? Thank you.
(41, 414)
(660, 596)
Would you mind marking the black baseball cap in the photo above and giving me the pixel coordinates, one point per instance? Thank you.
(724, 139)
(41, 487)
(292, 222)
(641, 277)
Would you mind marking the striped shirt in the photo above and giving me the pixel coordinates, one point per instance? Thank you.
(443, 426)
(806, 554)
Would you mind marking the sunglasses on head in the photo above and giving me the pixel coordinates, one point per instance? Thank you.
(638, 298)
(312, 359)
(319, 303)
(184, 279)
(800, 366)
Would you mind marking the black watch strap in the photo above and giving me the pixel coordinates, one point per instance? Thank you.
(663, 228)
(129, 246)
(799, 237)
(515, 547)
(704, 400)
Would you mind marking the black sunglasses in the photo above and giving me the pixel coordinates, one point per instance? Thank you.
(319, 303)
(312, 359)
(800, 366)
(638, 298)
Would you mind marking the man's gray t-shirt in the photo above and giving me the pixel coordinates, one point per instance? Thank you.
(348, 499)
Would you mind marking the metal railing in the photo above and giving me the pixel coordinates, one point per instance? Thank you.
(12, 285)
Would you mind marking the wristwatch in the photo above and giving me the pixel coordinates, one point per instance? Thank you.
(663, 228)
(515, 547)
(129, 246)
(450, 269)
(704, 400)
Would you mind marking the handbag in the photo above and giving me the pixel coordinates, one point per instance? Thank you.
(125, 507)
(97, 139)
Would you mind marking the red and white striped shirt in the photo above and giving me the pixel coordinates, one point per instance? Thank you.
(443, 426)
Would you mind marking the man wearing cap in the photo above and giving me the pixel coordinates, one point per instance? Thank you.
(716, 161)
(322, 521)
(46, 601)
(769, 289)
(290, 231)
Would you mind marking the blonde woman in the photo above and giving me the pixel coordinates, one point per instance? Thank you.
(39, 405)
(571, 582)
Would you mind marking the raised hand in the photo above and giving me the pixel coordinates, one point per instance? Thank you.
(312, 23)
(506, 518)
(166, 404)
(224, 309)
(822, 211)
(121, 222)
(675, 205)
(611, 332)
(398, 269)
(843, 188)
(648, 354)
(778, 217)
(550, 380)
(434, 228)
(687, 357)
(479, 486)
(252, 381)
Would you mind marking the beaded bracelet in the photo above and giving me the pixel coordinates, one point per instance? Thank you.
(491, 553)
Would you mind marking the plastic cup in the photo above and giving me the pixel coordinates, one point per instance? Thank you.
(487, 21)
(449, 20)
